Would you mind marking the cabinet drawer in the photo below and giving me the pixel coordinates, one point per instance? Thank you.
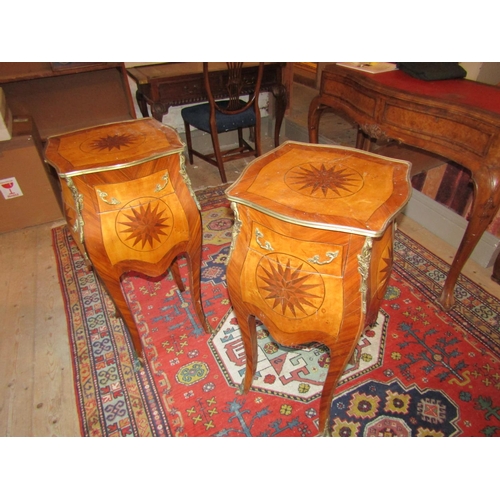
(112, 197)
(324, 258)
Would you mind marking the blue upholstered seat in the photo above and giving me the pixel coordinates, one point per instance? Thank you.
(232, 84)
(199, 117)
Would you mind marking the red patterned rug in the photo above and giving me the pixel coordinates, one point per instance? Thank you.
(417, 372)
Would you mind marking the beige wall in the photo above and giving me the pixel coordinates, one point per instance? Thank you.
(484, 72)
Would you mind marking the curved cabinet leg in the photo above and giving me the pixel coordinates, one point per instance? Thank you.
(194, 263)
(340, 354)
(249, 337)
(113, 287)
(174, 269)
(495, 276)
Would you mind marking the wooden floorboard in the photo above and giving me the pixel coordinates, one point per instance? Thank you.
(36, 381)
(18, 334)
(53, 377)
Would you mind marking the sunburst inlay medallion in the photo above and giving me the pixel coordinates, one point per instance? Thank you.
(290, 286)
(111, 143)
(324, 180)
(144, 224)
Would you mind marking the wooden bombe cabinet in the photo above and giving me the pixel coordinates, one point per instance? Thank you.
(312, 249)
(129, 204)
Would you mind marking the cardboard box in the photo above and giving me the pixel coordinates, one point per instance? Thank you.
(29, 191)
(5, 118)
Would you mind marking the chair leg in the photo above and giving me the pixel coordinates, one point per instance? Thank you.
(240, 138)
(252, 134)
(258, 148)
(187, 129)
(218, 156)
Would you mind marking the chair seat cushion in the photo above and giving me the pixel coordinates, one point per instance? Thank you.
(199, 117)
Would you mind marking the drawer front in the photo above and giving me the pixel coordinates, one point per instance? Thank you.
(469, 134)
(141, 219)
(325, 258)
(348, 94)
(114, 196)
(297, 284)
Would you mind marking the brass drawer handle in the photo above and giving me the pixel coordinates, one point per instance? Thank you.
(103, 197)
(159, 187)
(330, 255)
(266, 245)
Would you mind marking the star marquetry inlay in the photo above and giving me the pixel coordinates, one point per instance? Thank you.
(323, 180)
(289, 285)
(111, 142)
(145, 226)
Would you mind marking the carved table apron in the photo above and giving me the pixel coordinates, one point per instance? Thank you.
(129, 204)
(456, 119)
(312, 246)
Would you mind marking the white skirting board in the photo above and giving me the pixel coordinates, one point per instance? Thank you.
(450, 227)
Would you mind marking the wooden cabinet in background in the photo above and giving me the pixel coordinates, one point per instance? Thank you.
(63, 97)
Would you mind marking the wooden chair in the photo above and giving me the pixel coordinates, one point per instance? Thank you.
(233, 113)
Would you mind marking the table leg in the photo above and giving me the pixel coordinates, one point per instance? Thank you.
(484, 207)
(315, 111)
(158, 110)
(141, 102)
(363, 141)
(280, 94)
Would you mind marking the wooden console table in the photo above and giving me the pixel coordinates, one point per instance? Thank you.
(174, 84)
(312, 249)
(456, 119)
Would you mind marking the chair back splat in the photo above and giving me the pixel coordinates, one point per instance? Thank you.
(232, 113)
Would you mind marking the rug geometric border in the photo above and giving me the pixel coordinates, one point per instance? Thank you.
(114, 398)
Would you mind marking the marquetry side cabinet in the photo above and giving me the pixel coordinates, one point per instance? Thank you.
(129, 204)
(312, 249)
